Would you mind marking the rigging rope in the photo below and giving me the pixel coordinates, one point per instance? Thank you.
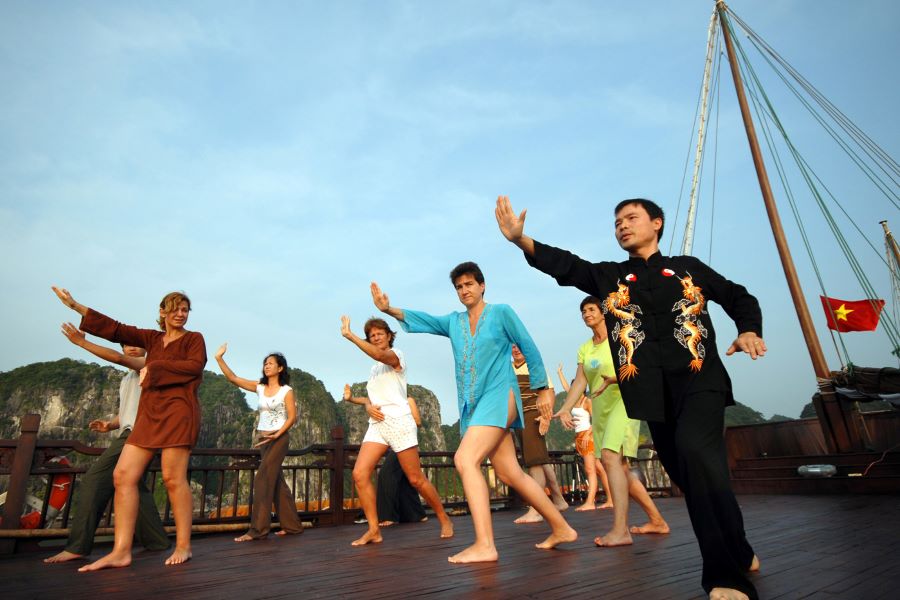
(766, 114)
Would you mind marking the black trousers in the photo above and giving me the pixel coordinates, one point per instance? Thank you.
(397, 499)
(691, 447)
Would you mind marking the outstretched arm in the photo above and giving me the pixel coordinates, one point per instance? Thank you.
(77, 337)
(244, 384)
(387, 356)
(383, 303)
(512, 226)
(66, 298)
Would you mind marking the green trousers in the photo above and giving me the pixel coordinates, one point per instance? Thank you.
(95, 490)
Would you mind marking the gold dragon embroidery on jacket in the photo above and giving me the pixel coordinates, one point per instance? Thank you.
(690, 331)
(627, 330)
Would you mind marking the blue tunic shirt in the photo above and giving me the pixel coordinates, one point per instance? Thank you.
(484, 371)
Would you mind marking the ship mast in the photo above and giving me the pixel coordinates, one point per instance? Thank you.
(839, 426)
(687, 243)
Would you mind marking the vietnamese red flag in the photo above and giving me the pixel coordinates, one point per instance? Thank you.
(856, 315)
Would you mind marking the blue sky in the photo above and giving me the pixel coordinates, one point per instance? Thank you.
(271, 159)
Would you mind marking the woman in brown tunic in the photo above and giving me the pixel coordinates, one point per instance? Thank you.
(168, 418)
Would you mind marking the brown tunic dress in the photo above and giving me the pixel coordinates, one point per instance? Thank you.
(169, 412)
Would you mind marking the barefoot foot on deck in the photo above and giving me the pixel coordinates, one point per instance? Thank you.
(447, 529)
(586, 506)
(181, 555)
(245, 538)
(66, 556)
(474, 554)
(370, 537)
(651, 527)
(613, 539)
(564, 535)
(605, 505)
(532, 516)
(110, 561)
(385, 523)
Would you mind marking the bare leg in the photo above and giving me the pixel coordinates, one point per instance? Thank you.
(618, 481)
(174, 471)
(369, 455)
(591, 500)
(412, 468)
(507, 466)
(555, 491)
(132, 463)
(604, 479)
(532, 515)
(638, 492)
(478, 441)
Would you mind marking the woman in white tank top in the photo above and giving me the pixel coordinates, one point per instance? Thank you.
(277, 414)
(391, 425)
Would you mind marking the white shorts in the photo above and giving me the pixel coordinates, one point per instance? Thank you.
(397, 432)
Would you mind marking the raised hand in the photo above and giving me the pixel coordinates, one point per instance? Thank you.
(347, 393)
(511, 226)
(381, 300)
(74, 335)
(222, 350)
(345, 326)
(66, 298)
(750, 343)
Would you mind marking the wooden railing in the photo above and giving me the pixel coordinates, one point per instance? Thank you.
(320, 476)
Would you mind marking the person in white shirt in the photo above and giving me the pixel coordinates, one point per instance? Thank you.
(277, 414)
(391, 425)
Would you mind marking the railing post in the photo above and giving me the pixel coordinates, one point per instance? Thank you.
(18, 478)
(337, 475)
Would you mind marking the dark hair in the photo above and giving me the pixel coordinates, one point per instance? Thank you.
(466, 268)
(284, 377)
(590, 300)
(381, 324)
(653, 209)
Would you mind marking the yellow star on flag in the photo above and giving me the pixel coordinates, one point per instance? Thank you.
(842, 312)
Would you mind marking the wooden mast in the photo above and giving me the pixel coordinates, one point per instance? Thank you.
(838, 424)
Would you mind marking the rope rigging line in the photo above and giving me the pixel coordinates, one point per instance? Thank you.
(878, 155)
(882, 186)
(766, 113)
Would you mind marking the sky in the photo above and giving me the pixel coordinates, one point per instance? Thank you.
(273, 158)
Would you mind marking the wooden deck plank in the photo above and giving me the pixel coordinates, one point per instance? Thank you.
(810, 546)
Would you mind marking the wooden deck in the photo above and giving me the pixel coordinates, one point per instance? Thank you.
(843, 546)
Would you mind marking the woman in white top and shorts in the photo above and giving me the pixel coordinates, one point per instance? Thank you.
(277, 414)
(391, 425)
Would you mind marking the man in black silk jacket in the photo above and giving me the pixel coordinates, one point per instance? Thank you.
(670, 374)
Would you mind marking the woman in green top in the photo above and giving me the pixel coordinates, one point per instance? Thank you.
(615, 435)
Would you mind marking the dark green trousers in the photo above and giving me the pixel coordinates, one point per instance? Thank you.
(94, 491)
